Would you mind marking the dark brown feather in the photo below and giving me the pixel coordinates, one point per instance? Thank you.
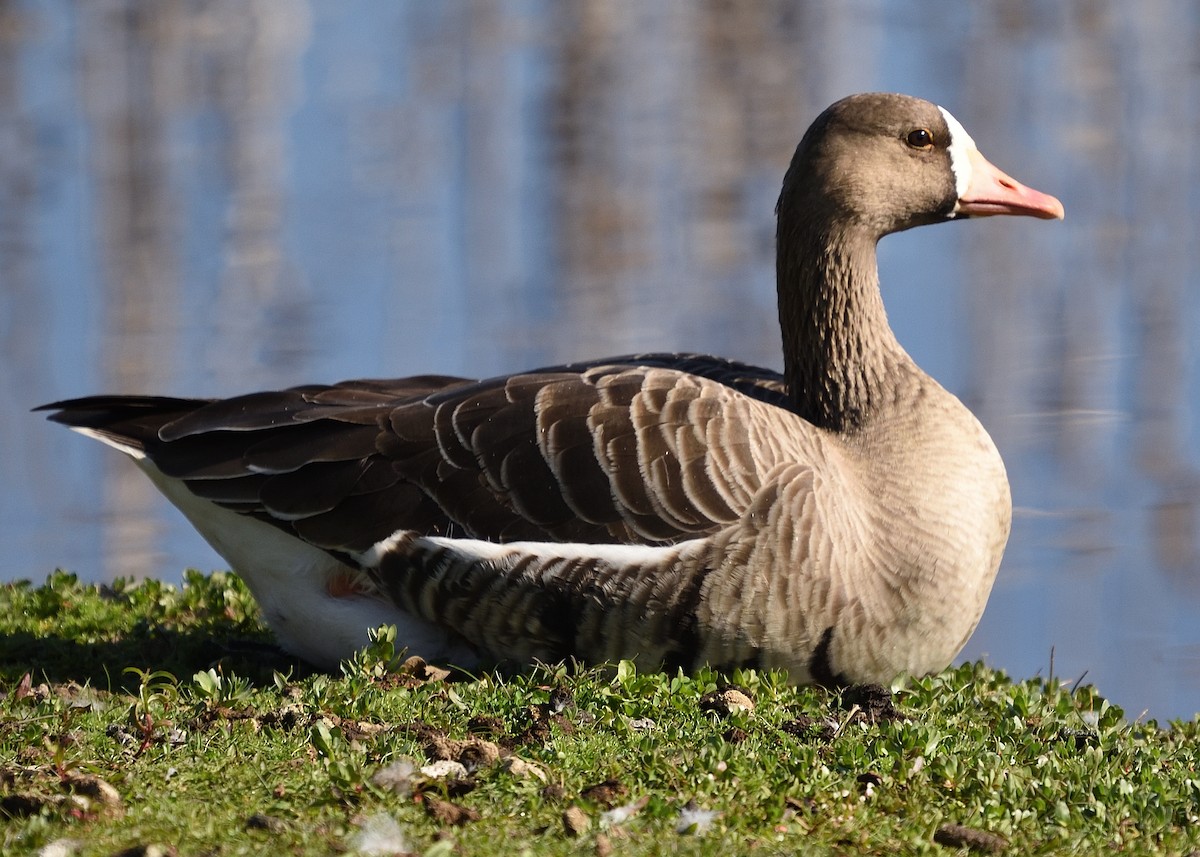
(310, 490)
(251, 412)
(212, 455)
(361, 520)
(282, 451)
(238, 491)
(590, 452)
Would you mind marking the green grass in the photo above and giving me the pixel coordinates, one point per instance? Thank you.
(211, 742)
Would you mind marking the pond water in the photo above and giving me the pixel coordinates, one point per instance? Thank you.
(205, 197)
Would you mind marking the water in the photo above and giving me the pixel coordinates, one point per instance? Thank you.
(211, 197)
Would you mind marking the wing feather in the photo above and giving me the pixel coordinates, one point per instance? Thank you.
(314, 489)
(652, 449)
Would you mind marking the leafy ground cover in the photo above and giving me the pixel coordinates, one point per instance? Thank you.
(145, 718)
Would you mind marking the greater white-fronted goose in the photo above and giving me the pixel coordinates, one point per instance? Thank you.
(843, 520)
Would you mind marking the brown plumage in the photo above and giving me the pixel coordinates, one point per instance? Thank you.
(843, 520)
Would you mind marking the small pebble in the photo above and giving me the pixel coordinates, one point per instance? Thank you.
(575, 822)
(445, 769)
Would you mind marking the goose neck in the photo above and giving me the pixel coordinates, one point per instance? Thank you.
(841, 359)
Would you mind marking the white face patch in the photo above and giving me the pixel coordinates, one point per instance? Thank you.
(961, 145)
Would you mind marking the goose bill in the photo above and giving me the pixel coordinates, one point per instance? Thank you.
(991, 191)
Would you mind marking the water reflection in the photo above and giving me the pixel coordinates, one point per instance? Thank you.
(211, 197)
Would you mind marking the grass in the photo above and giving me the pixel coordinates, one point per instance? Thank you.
(137, 717)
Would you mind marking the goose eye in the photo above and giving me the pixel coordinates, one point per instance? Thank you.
(922, 138)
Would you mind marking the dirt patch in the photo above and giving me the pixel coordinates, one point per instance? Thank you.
(607, 793)
(448, 813)
(873, 702)
(810, 730)
(539, 725)
(971, 838)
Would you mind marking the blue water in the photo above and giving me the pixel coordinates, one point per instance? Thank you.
(207, 198)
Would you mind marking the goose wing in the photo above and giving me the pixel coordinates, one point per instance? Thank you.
(647, 449)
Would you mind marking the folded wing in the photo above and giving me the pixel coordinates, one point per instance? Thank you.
(651, 449)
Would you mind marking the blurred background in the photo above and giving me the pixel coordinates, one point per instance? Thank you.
(206, 197)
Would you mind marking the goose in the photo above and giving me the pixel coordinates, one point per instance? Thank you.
(842, 521)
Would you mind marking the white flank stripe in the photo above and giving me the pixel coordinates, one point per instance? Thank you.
(484, 551)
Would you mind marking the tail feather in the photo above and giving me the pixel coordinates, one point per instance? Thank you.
(129, 422)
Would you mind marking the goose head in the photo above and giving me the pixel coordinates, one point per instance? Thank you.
(884, 163)
(868, 166)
